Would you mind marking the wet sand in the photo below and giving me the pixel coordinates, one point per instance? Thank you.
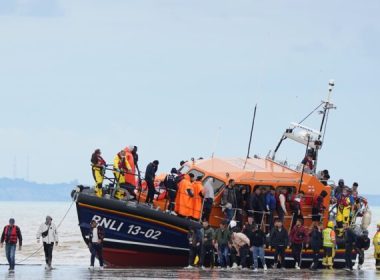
(79, 272)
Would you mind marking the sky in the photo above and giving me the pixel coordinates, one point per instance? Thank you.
(180, 79)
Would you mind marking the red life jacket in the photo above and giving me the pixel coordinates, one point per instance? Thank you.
(343, 201)
(101, 161)
(13, 235)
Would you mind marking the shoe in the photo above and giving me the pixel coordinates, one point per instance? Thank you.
(188, 267)
(346, 269)
(46, 266)
(297, 267)
(203, 268)
(234, 266)
(101, 268)
(359, 267)
(173, 213)
(265, 267)
(91, 268)
(255, 270)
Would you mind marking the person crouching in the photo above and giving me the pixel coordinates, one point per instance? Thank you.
(49, 234)
(241, 243)
(362, 244)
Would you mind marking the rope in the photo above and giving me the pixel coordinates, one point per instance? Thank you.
(311, 112)
(39, 249)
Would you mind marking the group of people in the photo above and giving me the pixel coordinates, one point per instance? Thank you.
(48, 232)
(235, 245)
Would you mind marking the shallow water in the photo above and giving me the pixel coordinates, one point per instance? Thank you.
(71, 257)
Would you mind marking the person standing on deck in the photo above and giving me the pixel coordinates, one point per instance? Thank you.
(120, 167)
(329, 243)
(98, 165)
(184, 202)
(198, 198)
(11, 234)
(150, 175)
(270, 205)
(296, 206)
(171, 188)
(281, 205)
(257, 206)
(209, 198)
(279, 242)
(298, 237)
(95, 244)
(229, 200)
(318, 207)
(49, 234)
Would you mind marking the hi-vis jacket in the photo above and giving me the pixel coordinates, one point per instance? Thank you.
(328, 235)
(52, 235)
(376, 244)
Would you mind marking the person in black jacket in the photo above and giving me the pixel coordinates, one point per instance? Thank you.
(170, 183)
(279, 242)
(150, 175)
(349, 240)
(95, 243)
(257, 206)
(316, 244)
(257, 239)
(362, 244)
(195, 241)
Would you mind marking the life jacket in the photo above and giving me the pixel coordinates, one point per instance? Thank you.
(130, 177)
(344, 201)
(328, 237)
(11, 237)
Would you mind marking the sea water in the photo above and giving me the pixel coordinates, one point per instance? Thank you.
(71, 257)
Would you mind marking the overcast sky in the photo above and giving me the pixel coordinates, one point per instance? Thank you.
(77, 75)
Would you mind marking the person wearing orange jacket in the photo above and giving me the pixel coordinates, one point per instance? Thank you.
(184, 202)
(121, 167)
(198, 198)
(130, 177)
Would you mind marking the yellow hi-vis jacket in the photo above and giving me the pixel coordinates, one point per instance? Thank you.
(328, 235)
(123, 165)
(376, 244)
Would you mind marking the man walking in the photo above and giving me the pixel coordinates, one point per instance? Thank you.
(222, 240)
(257, 238)
(49, 234)
(279, 242)
(11, 234)
(350, 240)
(298, 237)
(95, 244)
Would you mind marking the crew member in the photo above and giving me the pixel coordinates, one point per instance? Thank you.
(298, 237)
(95, 244)
(171, 188)
(150, 175)
(98, 165)
(130, 177)
(183, 202)
(344, 210)
(279, 242)
(11, 234)
(121, 167)
(328, 245)
(49, 234)
(362, 244)
(198, 198)
(308, 162)
(376, 244)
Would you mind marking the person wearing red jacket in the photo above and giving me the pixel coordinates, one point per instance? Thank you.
(298, 236)
(11, 234)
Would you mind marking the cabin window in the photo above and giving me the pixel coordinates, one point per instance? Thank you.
(290, 191)
(264, 188)
(196, 173)
(216, 184)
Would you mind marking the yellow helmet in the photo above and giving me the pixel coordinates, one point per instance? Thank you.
(330, 224)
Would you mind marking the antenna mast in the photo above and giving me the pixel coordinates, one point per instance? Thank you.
(250, 136)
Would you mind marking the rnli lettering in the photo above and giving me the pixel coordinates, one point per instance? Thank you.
(110, 224)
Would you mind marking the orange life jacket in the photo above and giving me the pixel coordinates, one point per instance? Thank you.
(197, 199)
(130, 176)
(184, 202)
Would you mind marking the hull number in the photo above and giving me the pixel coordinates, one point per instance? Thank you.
(150, 233)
